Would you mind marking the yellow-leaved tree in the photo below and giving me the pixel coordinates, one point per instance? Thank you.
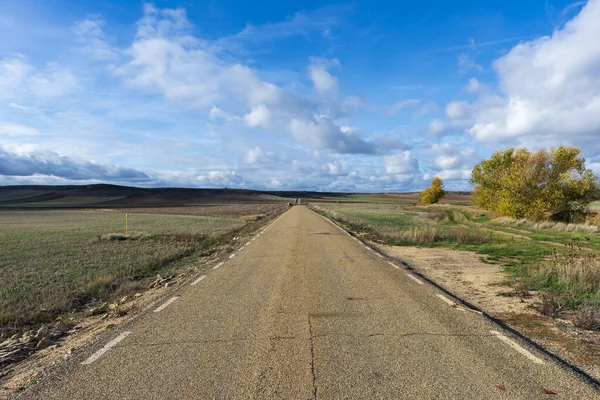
(434, 193)
(535, 185)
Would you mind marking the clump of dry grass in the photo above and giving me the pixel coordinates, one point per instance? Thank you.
(550, 225)
(569, 280)
(595, 220)
(424, 235)
(588, 317)
(438, 216)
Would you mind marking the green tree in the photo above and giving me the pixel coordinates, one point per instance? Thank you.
(534, 185)
(434, 193)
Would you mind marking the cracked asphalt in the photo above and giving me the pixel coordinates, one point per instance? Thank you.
(305, 312)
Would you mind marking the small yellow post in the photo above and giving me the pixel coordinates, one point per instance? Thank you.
(126, 224)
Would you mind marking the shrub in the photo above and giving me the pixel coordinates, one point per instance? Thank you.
(522, 184)
(434, 193)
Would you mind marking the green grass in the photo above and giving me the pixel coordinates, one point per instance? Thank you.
(54, 261)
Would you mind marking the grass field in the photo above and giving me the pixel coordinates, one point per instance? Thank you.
(560, 258)
(55, 261)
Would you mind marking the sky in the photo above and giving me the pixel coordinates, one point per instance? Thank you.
(364, 96)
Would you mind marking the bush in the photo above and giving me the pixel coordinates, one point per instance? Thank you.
(434, 193)
(522, 184)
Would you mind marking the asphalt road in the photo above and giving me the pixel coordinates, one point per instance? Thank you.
(304, 312)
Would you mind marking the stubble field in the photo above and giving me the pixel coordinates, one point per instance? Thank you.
(53, 262)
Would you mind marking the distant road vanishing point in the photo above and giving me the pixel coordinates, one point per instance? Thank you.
(304, 311)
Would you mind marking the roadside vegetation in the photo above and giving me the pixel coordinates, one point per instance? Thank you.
(546, 184)
(57, 263)
(560, 260)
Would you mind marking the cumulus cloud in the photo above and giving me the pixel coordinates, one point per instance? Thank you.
(457, 109)
(52, 164)
(260, 116)
(322, 133)
(551, 88)
(254, 155)
(318, 73)
(473, 85)
(436, 127)
(401, 162)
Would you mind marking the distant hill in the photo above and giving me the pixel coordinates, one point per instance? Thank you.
(102, 195)
(113, 196)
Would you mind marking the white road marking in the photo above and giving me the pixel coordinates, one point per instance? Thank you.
(367, 247)
(518, 348)
(248, 243)
(393, 265)
(379, 255)
(164, 305)
(231, 256)
(415, 279)
(199, 279)
(106, 348)
(241, 248)
(447, 300)
(218, 265)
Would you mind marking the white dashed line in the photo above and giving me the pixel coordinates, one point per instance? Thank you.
(164, 305)
(248, 243)
(106, 348)
(445, 299)
(198, 280)
(518, 348)
(241, 248)
(367, 247)
(393, 265)
(218, 265)
(231, 256)
(379, 255)
(415, 279)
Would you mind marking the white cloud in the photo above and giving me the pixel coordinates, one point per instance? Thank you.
(401, 162)
(89, 31)
(551, 87)
(451, 157)
(436, 127)
(466, 63)
(18, 79)
(407, 104)
(473, 86)
(8, 129)
(260, 116)
(323, 134)
(457, 109)
(318, 73)
(254, 155)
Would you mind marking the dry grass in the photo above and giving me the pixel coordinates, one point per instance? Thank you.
(426, 235)
(571, 280)
(550, 225)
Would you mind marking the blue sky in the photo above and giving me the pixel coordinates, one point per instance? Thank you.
(343, 96)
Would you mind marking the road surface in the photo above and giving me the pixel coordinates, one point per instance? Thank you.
(304, 311)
